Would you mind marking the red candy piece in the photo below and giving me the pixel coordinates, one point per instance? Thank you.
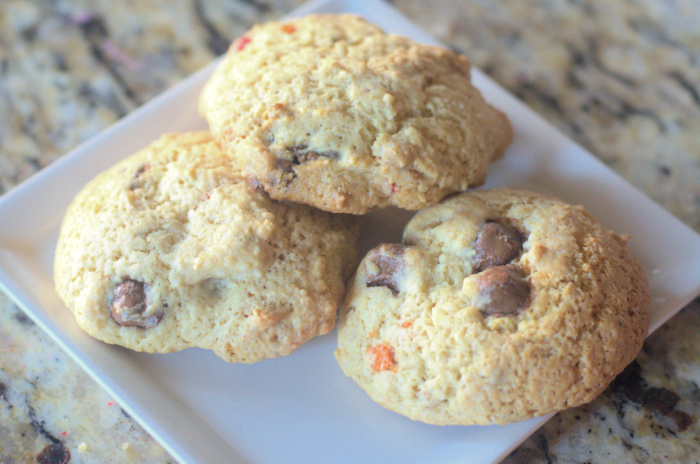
(240, 43)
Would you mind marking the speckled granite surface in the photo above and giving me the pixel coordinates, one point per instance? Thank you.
(621, 78)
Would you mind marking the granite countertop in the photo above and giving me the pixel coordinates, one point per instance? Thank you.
(620, 78)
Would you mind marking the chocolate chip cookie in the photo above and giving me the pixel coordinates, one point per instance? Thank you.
(330, 111)
(173, 248)
(498, 306)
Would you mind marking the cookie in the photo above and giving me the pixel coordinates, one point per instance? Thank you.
(330, 111)
(498, 306)
(172, 248)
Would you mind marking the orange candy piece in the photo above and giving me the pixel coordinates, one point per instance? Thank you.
(381, 357)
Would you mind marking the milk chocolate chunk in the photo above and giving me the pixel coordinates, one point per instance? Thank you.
(301, 155)
(286, 165)
(130, 303)
(387, 260)
(504, 291)
(497, 244)
(306, 156)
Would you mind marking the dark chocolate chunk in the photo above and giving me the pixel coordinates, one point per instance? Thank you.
(130, 303)
(497, 244)
(54, 453)
(505, 291)
(388, 258)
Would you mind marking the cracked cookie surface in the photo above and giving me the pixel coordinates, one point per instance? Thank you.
(498, 306)
(329, 111)
(172, 248)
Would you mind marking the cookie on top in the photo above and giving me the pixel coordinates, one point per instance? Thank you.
(330, 111)
(498, 306)
(174, 248)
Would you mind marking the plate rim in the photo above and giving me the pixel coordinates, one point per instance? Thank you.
(13, 196)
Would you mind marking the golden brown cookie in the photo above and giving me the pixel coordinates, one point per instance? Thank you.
(329, 111)
(498, 306)
(172, 249)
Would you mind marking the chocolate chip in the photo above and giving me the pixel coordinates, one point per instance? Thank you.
(388, 261)
(130, 303)
(137, 183)
(286, 165)
(505, 291)
(300, 156)
(3, 390)
(55, 453)
(306, 156)
(497, 244)
(303, 157)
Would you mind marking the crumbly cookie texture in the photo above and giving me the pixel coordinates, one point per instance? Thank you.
(329, 111)
(172, 249)
(498, 306)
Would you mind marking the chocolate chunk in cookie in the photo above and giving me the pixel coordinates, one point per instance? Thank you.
(286, 166)
(301, 154)
(504, 291)
(497, 244)
(137, 181)
(129, 305)
(385, 262)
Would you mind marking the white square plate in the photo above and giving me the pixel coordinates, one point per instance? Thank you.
(300, 408)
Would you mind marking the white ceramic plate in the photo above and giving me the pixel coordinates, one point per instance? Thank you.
(301, 409)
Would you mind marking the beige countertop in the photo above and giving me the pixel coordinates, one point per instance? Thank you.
(620, 78)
